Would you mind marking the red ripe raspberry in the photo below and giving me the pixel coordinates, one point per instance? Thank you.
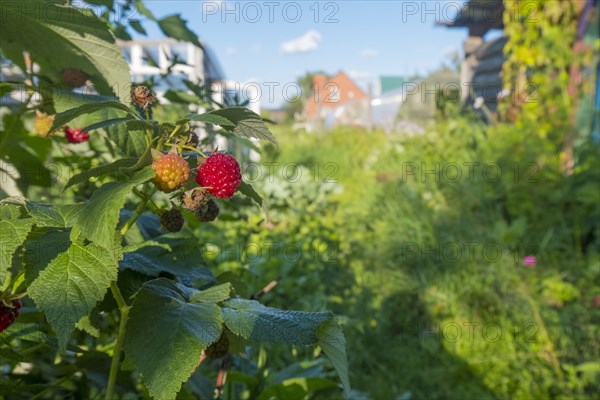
(76, 135)
(8, 315)
(172, 172)
(220, 173)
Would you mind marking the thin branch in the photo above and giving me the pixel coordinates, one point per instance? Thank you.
(266, 289)
(221, 378)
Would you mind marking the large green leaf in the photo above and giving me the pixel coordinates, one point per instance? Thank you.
(174, 26)
(257, 323)
(62, 118)
(71, 285)
(25, 152)
(176, 253)
(58, 37)
(210, 118)
(166, 333)
(239, 120)
(13, 233)
(333, 344)
(296, 388)
(98, 219)
(215, 294)
(106, 169)
(59, 216)
(130, 142)
(42, 246)
(248, 191)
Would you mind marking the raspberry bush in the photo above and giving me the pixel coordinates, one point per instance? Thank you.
(103, 286)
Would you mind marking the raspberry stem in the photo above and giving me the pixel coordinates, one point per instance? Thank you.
(138, 211)
(173, 133)
(114, 365)
(146, 197)
(187, 148)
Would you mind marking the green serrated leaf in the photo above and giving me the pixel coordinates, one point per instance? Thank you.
(98, 219)
(237, 283)
(246, 123)
(10, 207)
(79, 40)
(106, 169)
(175, 253)
(85, 324)
(141, 7)
(215, 294)
(333, 344)
(62, 118)
(13, 233)
(257, 323)
(181, 97)
(177, 329)
(295, 388)
(176, 27)
(210, 118)
(60, 216)
(129, 140)
(43, 246)
(137, 26)
(247, 190)
(71, 285)
(106, 123)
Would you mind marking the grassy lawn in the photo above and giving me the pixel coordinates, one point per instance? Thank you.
(427, 270)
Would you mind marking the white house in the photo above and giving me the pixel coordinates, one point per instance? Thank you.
(153, 57)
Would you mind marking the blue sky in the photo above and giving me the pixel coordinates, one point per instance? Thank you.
(276, 41)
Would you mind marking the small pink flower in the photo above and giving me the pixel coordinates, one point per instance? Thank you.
(529, 261)
(76, 135)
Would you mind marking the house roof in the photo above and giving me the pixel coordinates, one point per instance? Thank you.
(485, 14)
(389, 83)
(343, 75)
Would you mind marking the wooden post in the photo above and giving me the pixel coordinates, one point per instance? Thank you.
(470, 45)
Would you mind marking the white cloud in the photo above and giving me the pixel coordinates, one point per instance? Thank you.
(231, 51)
(354, 74)
(303, 44)
(369, 53)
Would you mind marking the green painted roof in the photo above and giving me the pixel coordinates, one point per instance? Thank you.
(389, 83)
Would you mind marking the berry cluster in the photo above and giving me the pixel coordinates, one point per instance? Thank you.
(76, 135)
(8, 315)
(220, 173)
(172, 172)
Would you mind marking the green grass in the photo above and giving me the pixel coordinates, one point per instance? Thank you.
(523, 332)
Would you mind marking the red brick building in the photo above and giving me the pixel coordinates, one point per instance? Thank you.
(332, 92)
